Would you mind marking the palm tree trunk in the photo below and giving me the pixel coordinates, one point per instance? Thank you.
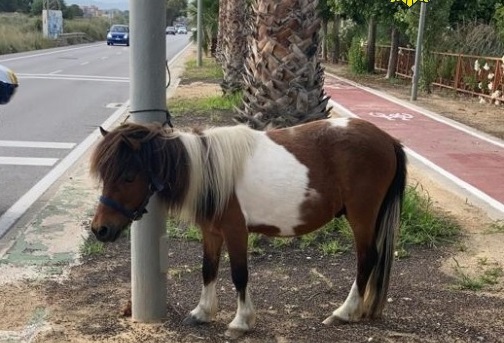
(371, 44)
(284, 78)
(234, 47)
(221, 30)
(336, 37)
(324, 39)
(394, 50)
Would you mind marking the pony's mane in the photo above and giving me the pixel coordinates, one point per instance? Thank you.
(198, 168)
(217, 157)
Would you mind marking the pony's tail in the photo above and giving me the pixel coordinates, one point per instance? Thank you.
(386, 229)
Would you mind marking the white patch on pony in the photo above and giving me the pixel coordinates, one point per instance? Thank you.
(351, 310)
(207, 306)
(339, 122)
(217, 167)
(273, 187)
(245, 317)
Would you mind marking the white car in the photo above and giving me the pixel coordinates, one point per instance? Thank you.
(182, 30)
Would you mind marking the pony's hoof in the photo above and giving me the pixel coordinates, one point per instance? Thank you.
(335, 319)
(192, 321)
(234, 333)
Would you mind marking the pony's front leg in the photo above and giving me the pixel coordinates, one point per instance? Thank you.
(207, 306)
(244, 319)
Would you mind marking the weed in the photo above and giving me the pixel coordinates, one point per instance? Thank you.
(334, 247)
(421, 224)
(253, 243)
(176, 229)
(208, 71)
(489, 276)
(91, 247)
(496, 227)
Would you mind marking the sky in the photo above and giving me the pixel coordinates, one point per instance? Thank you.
(102, 4)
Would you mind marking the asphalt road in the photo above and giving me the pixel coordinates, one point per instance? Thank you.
(64, 95)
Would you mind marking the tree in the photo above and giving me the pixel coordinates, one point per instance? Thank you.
(174, 9)
(234, 46)
(284, 79)
(209, 18)
(73, 11)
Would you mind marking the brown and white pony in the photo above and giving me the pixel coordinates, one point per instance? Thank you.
(287, 182)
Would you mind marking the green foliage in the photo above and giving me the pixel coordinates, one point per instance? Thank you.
(356, 57)
(94, 28)
(421, 224)
(428, 72)
(447, 67)
(209, 71)
(91, 246)
(485, 276)
(181, 230)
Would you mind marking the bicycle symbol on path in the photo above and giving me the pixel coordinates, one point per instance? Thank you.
(392, 116)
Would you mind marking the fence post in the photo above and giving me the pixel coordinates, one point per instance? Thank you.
(457, 73)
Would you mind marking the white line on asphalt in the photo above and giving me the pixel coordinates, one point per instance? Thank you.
(28, 199)
(72, 78)
(76, 76)
(27, 161)
(56, 72)
(29, 144)
(84, 63)
(48, 53)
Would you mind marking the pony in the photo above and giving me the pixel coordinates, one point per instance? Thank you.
(234, 180)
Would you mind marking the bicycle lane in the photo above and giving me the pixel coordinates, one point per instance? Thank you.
(473, 160)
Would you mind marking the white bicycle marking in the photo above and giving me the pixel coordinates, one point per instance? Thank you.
(392, 116)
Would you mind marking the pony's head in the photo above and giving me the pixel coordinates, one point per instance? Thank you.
(123, 164)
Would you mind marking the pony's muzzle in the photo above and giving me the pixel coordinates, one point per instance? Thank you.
(106, 234)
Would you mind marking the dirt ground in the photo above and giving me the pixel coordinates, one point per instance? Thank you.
(293, 290)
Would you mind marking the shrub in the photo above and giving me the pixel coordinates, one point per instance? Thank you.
(356, 57)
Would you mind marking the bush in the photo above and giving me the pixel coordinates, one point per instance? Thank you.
(356, 57)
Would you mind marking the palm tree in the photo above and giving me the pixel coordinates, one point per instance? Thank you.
(233, 44)
(284, 79)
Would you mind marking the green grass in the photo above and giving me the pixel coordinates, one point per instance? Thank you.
(209, 71)
(488, 276)
(176, 229)
(91, 247)
(496, 227)
(421, 224)
(204, 104)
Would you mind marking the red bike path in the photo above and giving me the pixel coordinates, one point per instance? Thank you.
(472, 160)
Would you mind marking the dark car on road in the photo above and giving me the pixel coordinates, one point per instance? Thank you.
(118, 34)
(170, 30)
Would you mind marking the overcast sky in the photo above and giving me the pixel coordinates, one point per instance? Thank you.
(102, 4)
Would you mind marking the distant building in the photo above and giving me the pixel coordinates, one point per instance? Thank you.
(91, 11)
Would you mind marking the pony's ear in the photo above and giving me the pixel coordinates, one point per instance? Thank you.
(103, 131)
(133, 144)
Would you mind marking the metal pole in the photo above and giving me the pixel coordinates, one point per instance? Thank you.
(148, 94)
(418, 51)
(199, 33)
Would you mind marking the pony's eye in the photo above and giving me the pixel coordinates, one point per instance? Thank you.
(129, 177)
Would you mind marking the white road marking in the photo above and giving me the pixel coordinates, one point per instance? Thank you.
(48, 53)
(27, 161)
(84, 63)
(105, 58)
(28, 144)
(56, 72)
(71, 76)
(82, 78)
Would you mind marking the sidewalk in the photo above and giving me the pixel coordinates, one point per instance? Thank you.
(468, 162)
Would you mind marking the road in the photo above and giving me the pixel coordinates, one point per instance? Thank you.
(64, 95)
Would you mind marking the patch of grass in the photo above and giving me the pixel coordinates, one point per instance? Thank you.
(254, 245)
(91, 246)
(206, 104)
(496, 227)
(421, 224)
(488, 276)
(209, 71)
(176, 229)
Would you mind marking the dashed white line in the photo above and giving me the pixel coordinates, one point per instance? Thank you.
(29, 144)
(27, 161)
(56, 72)
(84, 63)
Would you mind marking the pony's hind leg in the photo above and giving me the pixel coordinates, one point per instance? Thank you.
(354, 308)
(207, 306)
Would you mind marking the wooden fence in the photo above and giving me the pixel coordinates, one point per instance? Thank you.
(475, 75)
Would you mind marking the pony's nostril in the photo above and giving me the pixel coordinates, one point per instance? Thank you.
(103, 232)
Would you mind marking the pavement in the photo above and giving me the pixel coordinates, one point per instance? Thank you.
(47, 239)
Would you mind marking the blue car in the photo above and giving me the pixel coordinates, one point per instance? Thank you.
(118, 34)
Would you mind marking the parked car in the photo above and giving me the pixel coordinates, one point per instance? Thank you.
(118, 34)
(182, 30)
(170, 30)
